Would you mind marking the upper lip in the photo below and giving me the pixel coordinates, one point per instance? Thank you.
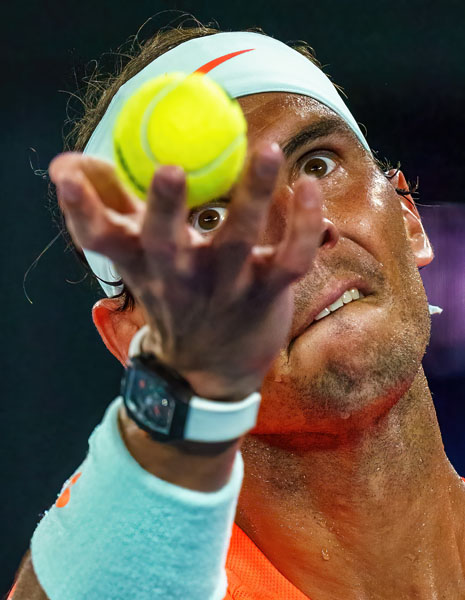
(330, 293)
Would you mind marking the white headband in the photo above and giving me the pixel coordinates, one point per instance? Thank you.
(242, 63)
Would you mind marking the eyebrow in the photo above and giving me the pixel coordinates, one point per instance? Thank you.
(321, 128)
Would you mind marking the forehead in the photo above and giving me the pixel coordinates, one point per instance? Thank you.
(275, 116)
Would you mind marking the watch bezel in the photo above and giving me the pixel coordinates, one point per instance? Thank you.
(161, 383)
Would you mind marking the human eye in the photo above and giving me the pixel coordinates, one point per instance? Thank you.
(208, 218)
(319, 165)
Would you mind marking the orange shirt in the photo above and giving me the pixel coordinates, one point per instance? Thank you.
(251, 576)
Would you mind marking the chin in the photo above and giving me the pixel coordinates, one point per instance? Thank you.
(343, 392)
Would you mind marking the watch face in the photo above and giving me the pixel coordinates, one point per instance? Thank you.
(150, 401)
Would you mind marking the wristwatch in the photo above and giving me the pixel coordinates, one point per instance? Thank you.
(163, 403)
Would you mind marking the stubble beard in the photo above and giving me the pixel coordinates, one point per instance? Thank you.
(377, 377)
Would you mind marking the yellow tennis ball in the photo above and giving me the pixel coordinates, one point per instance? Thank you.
(186, 120)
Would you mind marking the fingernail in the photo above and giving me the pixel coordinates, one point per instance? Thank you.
(268, 161)
(308, 200)
(169, 179)
(69, 190)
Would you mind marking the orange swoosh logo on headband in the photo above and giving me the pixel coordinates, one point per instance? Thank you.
(206, 68)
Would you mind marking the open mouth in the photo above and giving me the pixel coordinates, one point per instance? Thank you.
(347, 297)
(350, 295)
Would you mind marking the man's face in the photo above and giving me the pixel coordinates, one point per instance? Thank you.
(359, 360)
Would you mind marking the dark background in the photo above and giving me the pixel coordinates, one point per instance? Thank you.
(402, 65)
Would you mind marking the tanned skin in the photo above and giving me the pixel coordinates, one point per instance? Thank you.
(347, 489)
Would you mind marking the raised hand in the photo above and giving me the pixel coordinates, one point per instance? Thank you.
(219, 306)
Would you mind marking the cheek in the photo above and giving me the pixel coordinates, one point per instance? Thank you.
(367, 210)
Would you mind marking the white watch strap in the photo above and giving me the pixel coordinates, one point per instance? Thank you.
(210, 420)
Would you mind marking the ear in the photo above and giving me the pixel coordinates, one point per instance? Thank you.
(116, 328)
(416, 235)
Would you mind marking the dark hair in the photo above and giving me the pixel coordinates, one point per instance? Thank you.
(100, 89)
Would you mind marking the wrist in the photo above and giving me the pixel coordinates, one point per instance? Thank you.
(143, 440)
(212, 386)
(194, 465)
(207, 384)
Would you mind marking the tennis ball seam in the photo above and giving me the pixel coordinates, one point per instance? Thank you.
(148, 113)
(219, 159)
(197, 173)
(119, 152)
(195, 176)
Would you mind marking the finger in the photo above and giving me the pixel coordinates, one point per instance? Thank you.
(295, 254)
(248, 212)
(109, 187)
(165, 221)
(101, 174)
(91, 224)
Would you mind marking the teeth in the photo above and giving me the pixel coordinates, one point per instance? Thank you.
(324, 313)
(335, 305)
(348, 296)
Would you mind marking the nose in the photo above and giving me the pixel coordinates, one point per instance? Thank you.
(330, 235)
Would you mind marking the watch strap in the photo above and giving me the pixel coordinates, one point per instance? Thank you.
(210, 420)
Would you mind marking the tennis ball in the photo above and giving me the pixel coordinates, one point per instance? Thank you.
(186, 120)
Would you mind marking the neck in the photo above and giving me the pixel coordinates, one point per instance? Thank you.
(377, 514)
